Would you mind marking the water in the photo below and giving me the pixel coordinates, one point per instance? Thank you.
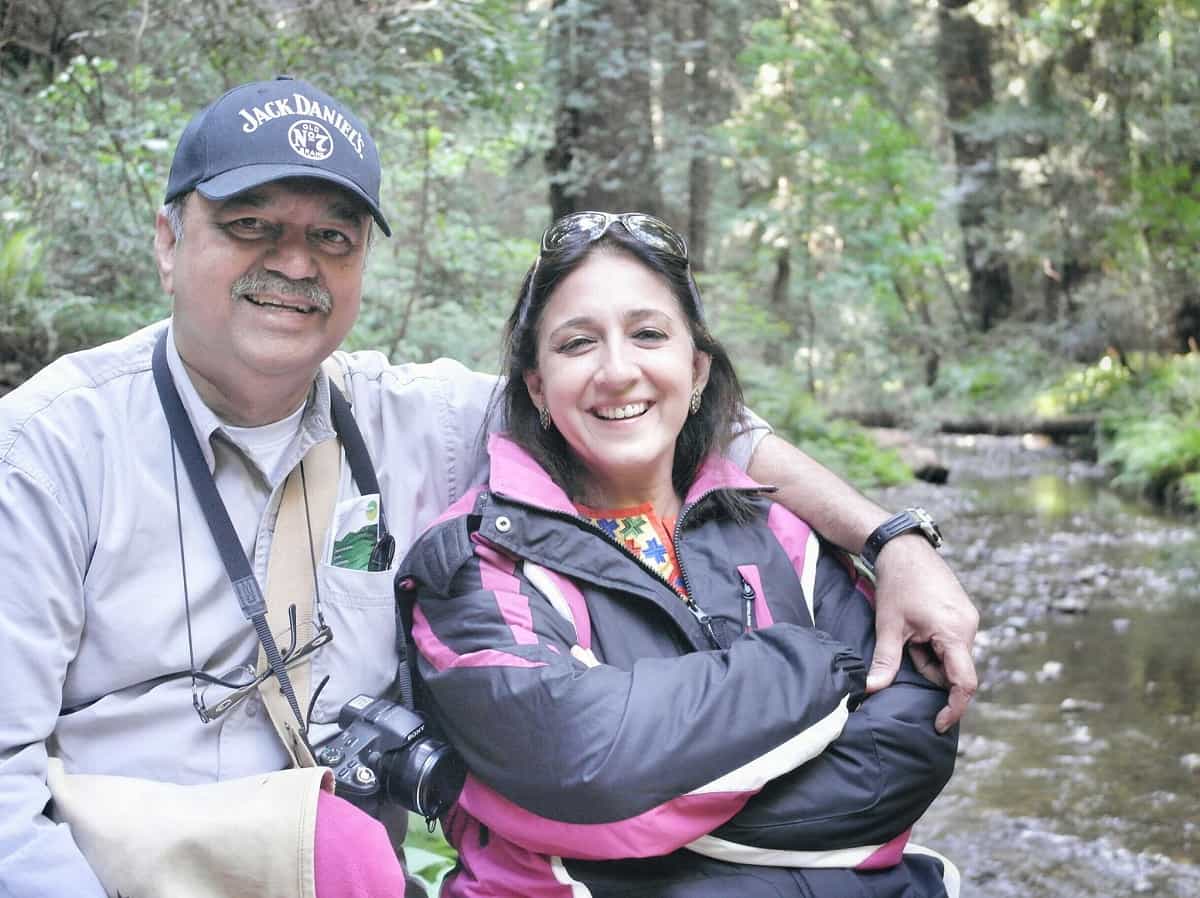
(1079, 766)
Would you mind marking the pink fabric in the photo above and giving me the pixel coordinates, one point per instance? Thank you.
(867, 588)
(578, 605)
(517, 475)
(458, 509)
(442, 657)
(659, 830)
(718, 472)
(792, 534)
(495, 866)
(496, 574)
(762, 614)
(353, 855)
(887, 855)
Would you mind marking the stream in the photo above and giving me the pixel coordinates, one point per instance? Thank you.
(1079, 760)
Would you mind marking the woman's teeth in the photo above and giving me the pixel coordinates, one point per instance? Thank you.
(616, 413)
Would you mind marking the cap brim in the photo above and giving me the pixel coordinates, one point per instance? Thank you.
(231, 183)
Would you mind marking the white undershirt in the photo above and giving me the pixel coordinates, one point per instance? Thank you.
(267, 444)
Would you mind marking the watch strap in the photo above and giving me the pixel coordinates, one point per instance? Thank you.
(905, 521)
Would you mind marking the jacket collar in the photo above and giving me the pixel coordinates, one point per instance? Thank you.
(516, 475)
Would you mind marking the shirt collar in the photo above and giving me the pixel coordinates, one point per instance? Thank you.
(315, 426)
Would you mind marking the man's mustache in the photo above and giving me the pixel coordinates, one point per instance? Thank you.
(270, 282)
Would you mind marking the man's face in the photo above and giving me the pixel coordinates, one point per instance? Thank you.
(266, 285)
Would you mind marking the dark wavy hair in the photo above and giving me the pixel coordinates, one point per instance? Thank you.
(708, 430)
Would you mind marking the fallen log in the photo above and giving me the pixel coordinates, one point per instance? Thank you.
(1055, 427)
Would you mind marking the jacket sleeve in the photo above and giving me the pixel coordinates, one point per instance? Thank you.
(854, 803)
(598, 762)
(42, 555)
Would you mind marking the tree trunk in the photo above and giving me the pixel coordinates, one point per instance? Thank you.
(604, 153)
(699, 162)
(964, 59)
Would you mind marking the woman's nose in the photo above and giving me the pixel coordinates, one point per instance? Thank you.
(618, 368)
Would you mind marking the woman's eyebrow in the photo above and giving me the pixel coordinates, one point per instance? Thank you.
(577, 321)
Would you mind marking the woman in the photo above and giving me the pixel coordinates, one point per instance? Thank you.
(618, 631)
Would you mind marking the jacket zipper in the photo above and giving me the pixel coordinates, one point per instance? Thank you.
(702, 617)
(748, 604)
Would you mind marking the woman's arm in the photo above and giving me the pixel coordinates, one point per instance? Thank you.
(595, 761)
(920, 600)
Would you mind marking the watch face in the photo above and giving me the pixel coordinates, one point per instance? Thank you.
(928, 526)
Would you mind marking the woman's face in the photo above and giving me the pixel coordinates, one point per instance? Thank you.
(616, 368)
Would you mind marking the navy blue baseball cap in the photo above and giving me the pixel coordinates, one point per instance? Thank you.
(267, 130)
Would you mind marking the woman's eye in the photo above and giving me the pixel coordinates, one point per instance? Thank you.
(650, 334)
(574, 344)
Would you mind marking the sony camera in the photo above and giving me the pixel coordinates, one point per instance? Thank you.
(384, 752)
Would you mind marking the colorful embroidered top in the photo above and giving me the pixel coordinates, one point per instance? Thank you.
(643, 533)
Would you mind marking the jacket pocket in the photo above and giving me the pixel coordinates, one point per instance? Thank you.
(755, 612)
(360, 608)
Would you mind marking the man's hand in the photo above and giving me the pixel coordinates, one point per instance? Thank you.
(919, 601)
(918, 598)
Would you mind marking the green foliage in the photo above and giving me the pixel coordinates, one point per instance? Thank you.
(427, 855)
(1150, 413)
(834, 251)
(840, 445)
(1006, 375)
(1090, 388)
(1158, 456)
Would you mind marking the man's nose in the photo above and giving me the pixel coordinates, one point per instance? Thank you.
(291, 256)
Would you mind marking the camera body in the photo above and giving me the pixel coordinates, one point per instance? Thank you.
(385, 752)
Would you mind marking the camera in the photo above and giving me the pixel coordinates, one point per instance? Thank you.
(385, 752)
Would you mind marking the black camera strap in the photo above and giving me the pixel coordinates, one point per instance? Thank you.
(237, 566)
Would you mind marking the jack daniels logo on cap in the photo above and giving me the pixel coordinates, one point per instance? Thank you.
(308, 138)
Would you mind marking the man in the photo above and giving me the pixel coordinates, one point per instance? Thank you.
(118, 617)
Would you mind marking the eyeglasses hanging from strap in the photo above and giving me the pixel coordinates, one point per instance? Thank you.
(237, 566)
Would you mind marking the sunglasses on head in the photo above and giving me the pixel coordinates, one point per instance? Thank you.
(587, 227)
(654, 232)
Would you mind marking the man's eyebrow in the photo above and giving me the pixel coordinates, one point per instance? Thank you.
(348, 211)
(252, 197)
(345, 210)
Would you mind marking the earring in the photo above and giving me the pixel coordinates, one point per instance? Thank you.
(694, 405)
(544, 417)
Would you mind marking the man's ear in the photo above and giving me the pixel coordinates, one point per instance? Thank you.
(533, 383)
(164, 253)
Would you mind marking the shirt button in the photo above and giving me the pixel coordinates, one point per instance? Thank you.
(503, 524)
(252, 707)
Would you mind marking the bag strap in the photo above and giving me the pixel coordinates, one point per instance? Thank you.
(291, 572)
(301, 530)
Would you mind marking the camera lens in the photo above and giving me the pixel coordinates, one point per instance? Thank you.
(426, 777)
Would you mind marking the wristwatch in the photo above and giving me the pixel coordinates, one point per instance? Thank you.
(902, 522)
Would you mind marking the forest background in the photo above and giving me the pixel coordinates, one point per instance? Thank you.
(931, 213)
(939, 214)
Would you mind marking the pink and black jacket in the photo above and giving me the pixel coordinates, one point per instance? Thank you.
(722, 747)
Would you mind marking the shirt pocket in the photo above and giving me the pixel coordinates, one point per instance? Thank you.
(359, 607)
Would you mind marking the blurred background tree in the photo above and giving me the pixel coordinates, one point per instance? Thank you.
(901, 211)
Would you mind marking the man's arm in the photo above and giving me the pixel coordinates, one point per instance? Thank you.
(41, 618)
(919, 600)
